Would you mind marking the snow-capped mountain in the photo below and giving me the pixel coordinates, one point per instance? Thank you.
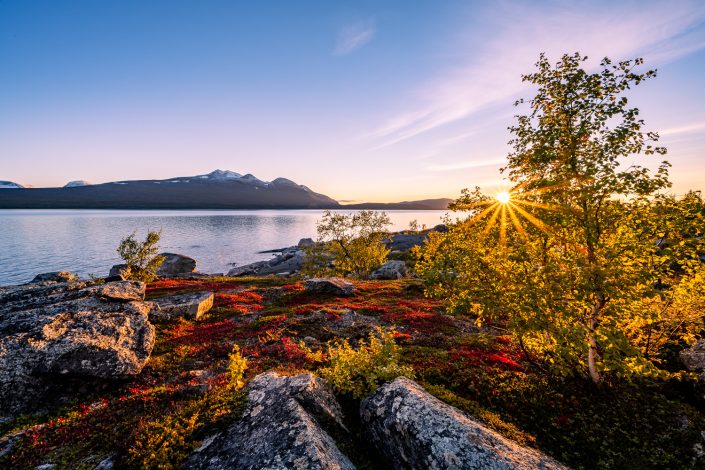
(76, 184)
(219, 189)
(10, 185)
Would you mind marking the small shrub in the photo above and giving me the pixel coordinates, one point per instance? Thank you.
(141, 257)
(348, 244)
(358, 372)
(236, 368)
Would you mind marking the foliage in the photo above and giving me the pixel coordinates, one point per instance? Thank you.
(354, 242)
(237, 366)
(165, 442)
(358, 372)
(582, 285)
(141, 257)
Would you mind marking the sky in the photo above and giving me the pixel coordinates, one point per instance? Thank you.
(360, 100)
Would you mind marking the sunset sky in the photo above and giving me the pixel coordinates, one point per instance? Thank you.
(366, 100)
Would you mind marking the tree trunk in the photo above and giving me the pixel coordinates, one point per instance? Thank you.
(593, 354)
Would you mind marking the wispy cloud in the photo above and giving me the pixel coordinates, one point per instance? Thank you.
(466, 164)
(515, 32)
(354, 36)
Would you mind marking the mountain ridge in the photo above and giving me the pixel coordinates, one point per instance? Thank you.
(219, 189)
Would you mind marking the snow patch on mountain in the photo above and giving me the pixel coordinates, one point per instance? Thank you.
(10, 185)
(77, 184)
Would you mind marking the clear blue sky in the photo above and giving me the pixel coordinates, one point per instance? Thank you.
(366, 100)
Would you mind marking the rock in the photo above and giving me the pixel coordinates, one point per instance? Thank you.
(191, 306)
(58, 276)
(443, 228)
(392, 269)
(326, 325)
(694, 360)
(289, 261)
(118, 271)
(282, 427)
(332, 286)
(305, 243)
(414, 430)
(175, 264)
(405, 241)
(61, 332)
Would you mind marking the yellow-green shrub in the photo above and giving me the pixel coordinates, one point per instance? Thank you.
(358, 372)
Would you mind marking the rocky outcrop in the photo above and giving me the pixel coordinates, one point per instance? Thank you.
(329, 286)
(57, 276)
(406, 241)
(282, 427)
(327, 325)
(55, 331)
(392, 269)
(288, 261)
(175, 265)
(191, 306)
(414, 430)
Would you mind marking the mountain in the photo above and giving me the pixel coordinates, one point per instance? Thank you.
(76, 184)
(10, 185)
(422, 205)
(220, 189)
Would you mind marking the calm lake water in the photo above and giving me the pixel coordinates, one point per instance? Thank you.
(84, 242)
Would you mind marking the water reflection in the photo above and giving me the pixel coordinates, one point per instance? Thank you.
(84, 241)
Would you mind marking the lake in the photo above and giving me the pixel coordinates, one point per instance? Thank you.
(84, 241)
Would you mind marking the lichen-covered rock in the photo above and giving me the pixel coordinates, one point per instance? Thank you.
(191, 306)
(414, 430)
(175, 264)
(75, 330)
(57, 276)
(693, 358)
(326, 325)
(282, 428)
(392, 269)
(330, 286)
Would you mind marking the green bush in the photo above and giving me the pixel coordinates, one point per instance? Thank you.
(141, 257)
(348, 244)
(358, 372)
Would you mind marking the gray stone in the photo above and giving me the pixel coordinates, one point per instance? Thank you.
(331, 286)
(282, 427)
(392, 269)
(414, 430)
(289, 261)
(191, 306)
(76, 330)
(305, 243)
(694, 360)
(175, 264)
(58, 276)
(119, 271)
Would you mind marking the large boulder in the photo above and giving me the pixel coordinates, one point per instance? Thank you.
(282, 427)
(392, 269)
(80, 330)
(57, 276)
(414, 430)
(191, 306)
(175, 265)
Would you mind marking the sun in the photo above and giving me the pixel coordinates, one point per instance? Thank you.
(504, 197)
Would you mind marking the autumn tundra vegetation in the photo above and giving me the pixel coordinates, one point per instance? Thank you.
(553, 312)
